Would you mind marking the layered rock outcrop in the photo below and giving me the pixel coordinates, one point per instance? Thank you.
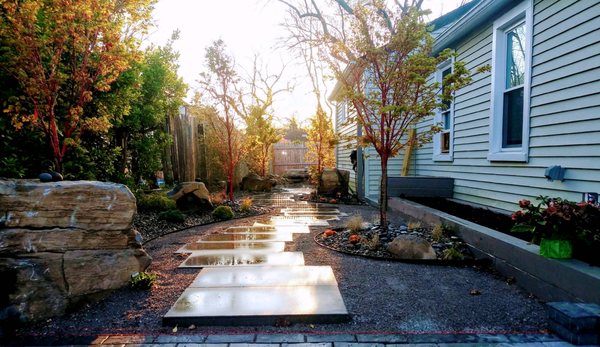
(62, 243)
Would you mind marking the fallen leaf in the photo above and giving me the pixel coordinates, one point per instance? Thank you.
(312, 326)
(192, 327)
(475, 292)
(175, 329)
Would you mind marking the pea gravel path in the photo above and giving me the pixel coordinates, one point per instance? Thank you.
(382, 296)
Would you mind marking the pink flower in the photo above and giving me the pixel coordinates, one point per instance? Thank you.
(524, 203)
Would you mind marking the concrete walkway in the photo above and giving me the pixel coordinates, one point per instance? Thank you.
(320, 340)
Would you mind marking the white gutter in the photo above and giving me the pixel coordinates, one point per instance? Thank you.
(474, 18)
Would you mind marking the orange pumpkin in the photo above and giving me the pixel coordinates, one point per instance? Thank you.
(354, 239)
(329, 232)
(333, 201)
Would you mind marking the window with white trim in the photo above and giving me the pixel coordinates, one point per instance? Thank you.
(443, 141)
(511, 71)
(341, 109)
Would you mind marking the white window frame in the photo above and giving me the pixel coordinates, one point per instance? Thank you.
(342, 111)
(520, 13)
(438, 155)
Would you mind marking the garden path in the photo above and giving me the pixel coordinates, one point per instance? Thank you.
(248, 279)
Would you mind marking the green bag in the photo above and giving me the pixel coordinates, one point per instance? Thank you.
(557, 249)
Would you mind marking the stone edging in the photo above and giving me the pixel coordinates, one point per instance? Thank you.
(548, 279)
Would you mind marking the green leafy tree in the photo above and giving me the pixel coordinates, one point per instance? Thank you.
(60, 53)
(262, 134)
(381, 55)
(321, 143)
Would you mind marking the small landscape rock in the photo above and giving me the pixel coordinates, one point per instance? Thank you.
(45, 177)
(411, 247)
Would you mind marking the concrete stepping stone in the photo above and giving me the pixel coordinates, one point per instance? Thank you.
(287, 220)
(260, 229)
(330, 210)
(316, 215)
(248, 247)
(258, 306)
(265, 276)
(245, 237)
(228, 259)
(293, 228)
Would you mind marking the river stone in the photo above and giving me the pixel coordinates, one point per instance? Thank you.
(45, 177)
(411, 247)
(69, 204)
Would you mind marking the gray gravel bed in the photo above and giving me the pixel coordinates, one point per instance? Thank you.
(382, 296)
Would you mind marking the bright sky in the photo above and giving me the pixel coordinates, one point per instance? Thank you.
(247, 27)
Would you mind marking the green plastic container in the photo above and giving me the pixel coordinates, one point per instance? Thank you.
(557, 249)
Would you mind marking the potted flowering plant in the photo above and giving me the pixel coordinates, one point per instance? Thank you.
(553, 224)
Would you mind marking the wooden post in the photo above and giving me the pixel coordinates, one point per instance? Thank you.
(412, 135)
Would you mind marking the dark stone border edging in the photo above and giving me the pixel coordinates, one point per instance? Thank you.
(548, 279)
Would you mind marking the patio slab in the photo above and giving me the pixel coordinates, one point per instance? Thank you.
(289, 220)
(265, 276)
(247, 237)
(229, 259)
(212, 247)
(258, 306)
(293, 228)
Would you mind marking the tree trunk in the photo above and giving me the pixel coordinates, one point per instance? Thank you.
(383, 203)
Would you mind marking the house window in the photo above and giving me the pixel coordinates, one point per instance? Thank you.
(511, 67)
(443, 141)
(341, 110)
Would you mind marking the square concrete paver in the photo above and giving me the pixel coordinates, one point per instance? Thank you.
(287, 220)
(292, 228)
(248, 247)
(258, 305)
(265, 276)
(245, 237)
(232, 259)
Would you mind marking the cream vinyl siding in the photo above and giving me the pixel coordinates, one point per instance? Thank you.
(342, 152)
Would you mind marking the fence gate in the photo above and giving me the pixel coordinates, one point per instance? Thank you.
(289, 156)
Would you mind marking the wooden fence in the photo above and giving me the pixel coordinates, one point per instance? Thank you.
(288, 156)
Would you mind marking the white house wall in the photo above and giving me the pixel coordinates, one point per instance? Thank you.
(564, 118)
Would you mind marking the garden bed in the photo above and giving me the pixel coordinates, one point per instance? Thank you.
(449, 249)
(549, 279)
(500, 222)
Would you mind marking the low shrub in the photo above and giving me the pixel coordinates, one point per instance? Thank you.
(218, 198)
(355, 224)
(437, 233)
(174, 216)
(246, 204)
(452, 253)
(142, 280)
(222, 213)
(155, 202)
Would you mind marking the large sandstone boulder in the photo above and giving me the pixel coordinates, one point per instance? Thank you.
(411, 247)
(63, 243)
(334, 181)
(191, 196)
(254, 183)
